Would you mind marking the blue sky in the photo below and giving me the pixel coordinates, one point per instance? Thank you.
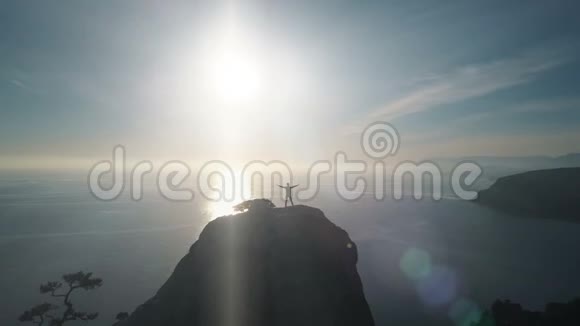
(455, 77)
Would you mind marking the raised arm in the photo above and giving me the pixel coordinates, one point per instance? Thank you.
(294, 186)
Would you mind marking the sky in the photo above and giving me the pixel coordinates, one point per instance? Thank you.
(286, 80)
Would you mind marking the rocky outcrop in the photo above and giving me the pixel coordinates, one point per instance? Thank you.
(281, 266)
(551, 193)
(507, 313)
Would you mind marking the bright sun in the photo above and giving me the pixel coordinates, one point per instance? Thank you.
(233, 70)
(234, 76)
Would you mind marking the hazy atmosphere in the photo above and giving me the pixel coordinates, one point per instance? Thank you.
(276, 163)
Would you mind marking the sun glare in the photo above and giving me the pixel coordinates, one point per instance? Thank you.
(220, 206)
(234, 76)
(233, 69)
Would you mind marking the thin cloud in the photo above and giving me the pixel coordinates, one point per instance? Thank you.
(507, 112)
(17, 83)
(504, 145)
(471, 82)
(551, 105)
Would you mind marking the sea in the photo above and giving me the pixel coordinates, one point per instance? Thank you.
(422, 262)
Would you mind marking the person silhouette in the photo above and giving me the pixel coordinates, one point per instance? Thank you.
(288, 190)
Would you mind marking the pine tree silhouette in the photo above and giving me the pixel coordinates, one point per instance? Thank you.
(54, 315)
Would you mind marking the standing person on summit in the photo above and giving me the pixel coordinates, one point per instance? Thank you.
(288, 189)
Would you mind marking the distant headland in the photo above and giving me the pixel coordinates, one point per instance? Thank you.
(551, 194)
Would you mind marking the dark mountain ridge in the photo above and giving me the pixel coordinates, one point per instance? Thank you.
(537, 162)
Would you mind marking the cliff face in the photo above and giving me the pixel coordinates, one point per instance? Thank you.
(543, 193)
(281, 266)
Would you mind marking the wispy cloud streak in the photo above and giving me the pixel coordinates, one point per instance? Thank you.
(470, 82)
